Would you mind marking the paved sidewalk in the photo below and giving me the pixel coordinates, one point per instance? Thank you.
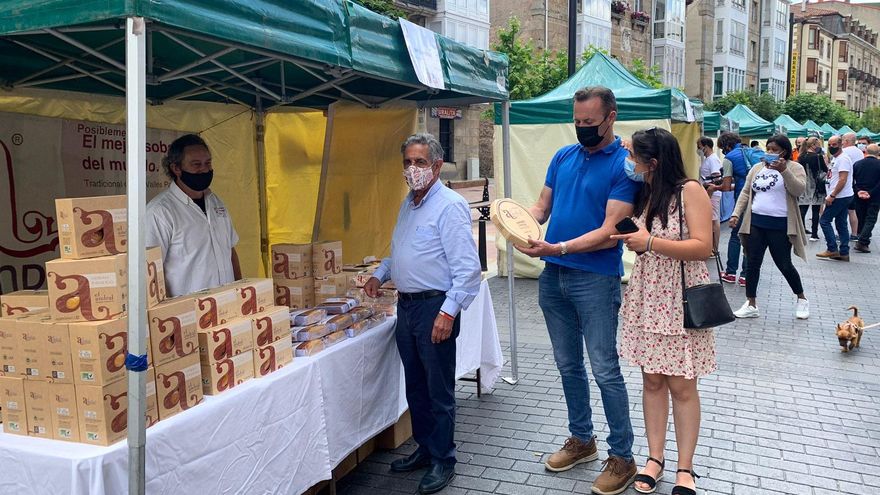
(786, 412)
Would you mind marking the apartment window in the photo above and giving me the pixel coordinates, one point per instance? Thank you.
(767, 7)
(841, 80)
(637, 6)
(779, 54)
(765, 85)
(719, 36)
(813, 39)
(736, 79)
(740, 4)
(812, 70)
(718, 87)
(843, 52)
(755, 11)
(753, 51)
(738, 38)
(781, 14)
(765, 52)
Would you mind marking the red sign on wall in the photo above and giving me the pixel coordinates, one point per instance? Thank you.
(446, 113)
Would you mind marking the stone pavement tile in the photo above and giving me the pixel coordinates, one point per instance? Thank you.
(518, 489)
(470, 482)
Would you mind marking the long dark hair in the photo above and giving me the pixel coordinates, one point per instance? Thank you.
(666, 180)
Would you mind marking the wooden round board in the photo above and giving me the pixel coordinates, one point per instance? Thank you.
(514, 222)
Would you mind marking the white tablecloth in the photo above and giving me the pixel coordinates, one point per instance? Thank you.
(278, 434)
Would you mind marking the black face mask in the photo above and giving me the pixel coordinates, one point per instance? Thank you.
(833, 150)
(197, 182)
(589, 136)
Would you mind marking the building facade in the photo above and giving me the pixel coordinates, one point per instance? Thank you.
(457, 128)
(744, 41)
(837, 55)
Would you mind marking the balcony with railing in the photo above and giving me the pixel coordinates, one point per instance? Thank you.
(418, 4)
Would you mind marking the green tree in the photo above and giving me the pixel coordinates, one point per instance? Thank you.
(870, 119)
(384, 7)
(530, 73)
(764, 104)
(652, 76)
(820, 108)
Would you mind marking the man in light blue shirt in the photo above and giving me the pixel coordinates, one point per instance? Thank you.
(435, 267)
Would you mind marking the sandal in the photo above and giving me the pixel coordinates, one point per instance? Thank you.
(648, 479)
(683, 490)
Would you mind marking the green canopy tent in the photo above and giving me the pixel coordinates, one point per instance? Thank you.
(635, 99)
(792, 128)
(812, 126)
(865, 132)
(827, 128)
(258, 54)
(845, 129)
(750, 124)
(711, 122)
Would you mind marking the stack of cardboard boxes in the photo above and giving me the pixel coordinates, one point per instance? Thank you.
(292, 275)
(330, 281)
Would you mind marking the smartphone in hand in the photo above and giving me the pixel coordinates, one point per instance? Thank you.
(626, 226)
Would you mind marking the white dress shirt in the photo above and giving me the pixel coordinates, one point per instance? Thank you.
(196, 245)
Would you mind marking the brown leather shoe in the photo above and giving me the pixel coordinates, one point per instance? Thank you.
(841, 257)
(827, 255)
(574, 452)
(861, 248)
(617, 474)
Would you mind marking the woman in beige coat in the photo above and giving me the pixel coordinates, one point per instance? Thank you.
(768, 214)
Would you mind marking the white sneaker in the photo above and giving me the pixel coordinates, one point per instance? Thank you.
(802, 312)
(747, 311)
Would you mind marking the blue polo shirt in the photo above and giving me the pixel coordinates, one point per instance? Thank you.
(582, 183)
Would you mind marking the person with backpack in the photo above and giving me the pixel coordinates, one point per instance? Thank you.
(735, 169)
(813, 161)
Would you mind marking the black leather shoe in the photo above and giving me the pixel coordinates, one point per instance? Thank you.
(436, 479)
(416, 461)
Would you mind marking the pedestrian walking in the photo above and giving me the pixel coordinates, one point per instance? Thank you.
(866, 180)
(735, 169)
(837, 204)
(768, 216)
(586, 193)
(813, 161)
(675, 226)
(710, 173)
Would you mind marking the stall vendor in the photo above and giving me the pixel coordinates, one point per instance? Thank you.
(191, 224)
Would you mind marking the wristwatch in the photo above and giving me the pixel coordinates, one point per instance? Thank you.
(563, 249)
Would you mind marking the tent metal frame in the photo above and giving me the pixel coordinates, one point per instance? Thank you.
(137, 70)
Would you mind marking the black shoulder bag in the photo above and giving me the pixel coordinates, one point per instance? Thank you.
(705, 305)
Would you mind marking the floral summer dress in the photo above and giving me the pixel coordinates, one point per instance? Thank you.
(653, 335)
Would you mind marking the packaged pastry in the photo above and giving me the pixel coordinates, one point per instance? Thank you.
(339, 322)
(357, 329)
(377, 319)
(305, 317)
(309, 348)
(311, 332)
(334, 338)
(386, 296)
(386, 309)
(338, 305)
(360, 313)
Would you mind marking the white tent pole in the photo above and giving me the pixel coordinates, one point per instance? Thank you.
(511, 307)
(136, 174)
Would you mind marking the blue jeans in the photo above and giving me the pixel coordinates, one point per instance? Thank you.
(733, 250)
(582, 307)
(430, 377)
(837, 212)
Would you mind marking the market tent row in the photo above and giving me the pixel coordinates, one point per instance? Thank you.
(829, 129)
(304, 103)
(750, 124)
(542, 125)
(790, 127)
(865, 132)
(812, 126)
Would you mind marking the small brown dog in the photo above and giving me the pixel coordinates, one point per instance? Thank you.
(849, 333)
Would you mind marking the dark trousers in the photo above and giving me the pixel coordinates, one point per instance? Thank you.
(430, 377)
(814, 220)
(733, 250)
(866, 212)
(780, 250)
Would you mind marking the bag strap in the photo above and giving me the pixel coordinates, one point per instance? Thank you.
(681, 238)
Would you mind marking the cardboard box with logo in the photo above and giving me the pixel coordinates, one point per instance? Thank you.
(91, 227)
(23, 301)
(326, 258)
(103, 410)
(12, 401)
(57, 360)
(9, 346)
(255, 295)
(271, 325)
(38, 405)
(216, 306)
(173, 329)
(330, 287)
(224, 341)
(224, 374)
(155, 276)
(88, 290)
(295, 294)
(179, 385)
(272, 357)
(65, 418)
(291, 261)
(98, 350)
(29, 361)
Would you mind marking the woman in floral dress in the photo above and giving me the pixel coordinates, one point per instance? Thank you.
(653, 335)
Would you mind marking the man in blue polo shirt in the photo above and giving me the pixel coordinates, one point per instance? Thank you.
(588, 192)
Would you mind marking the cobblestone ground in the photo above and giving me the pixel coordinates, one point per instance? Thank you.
(786, 412)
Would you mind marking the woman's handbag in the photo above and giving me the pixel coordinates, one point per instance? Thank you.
(705, 305)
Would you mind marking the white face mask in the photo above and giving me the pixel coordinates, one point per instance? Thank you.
(418, 178)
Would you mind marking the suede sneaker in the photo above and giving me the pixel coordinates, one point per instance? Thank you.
(574, 452)
(617, 474)
(827, 255)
